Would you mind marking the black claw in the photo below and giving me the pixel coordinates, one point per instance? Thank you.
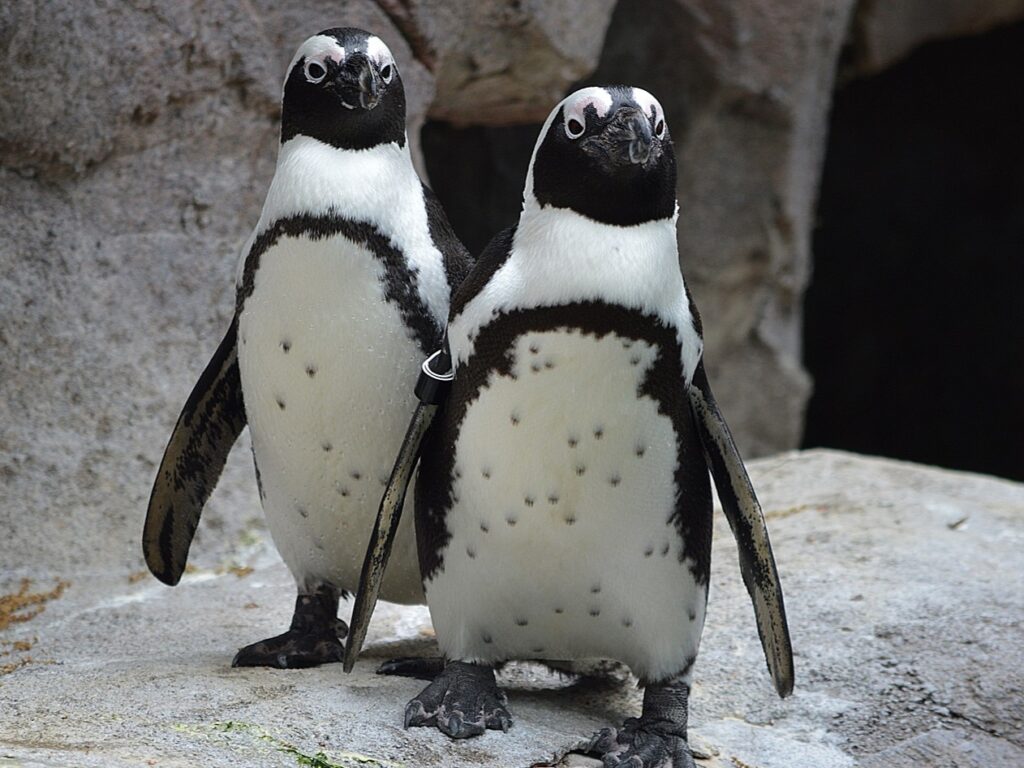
(458, 727)
(462, 701)
(416, 715)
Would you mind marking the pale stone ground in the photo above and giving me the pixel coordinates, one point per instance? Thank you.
(905, 589)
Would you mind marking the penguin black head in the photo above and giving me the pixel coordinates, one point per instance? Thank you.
(343, 88)
(606, 153)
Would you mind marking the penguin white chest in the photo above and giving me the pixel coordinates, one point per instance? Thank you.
(561, 540)
(327, 368)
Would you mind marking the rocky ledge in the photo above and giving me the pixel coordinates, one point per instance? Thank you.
(905, 591)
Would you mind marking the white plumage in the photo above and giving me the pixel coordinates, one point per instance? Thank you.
(326, 363)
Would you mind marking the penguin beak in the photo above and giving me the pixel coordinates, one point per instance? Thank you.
(628, 137)
(358, 83)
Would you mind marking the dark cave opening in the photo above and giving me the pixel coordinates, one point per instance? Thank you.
(914, 320)
(478, 173)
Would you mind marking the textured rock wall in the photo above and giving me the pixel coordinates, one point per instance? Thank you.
(137, 141)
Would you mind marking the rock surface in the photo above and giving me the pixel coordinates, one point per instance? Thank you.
(905, 592)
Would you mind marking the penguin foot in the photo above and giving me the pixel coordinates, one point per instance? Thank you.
(419, 667)
(639, 745)
(312, 639)
(656, 739)
(291, 650)
(463, 701)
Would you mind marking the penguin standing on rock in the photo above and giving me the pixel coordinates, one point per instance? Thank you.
(563, 507)
(342, 288)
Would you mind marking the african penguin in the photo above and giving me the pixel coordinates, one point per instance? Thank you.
(342, 288)
(563, 506)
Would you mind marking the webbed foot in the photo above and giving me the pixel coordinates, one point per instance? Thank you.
(656, 739)
(312, 639)
(463, 701)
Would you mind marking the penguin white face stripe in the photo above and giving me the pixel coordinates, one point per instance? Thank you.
(378, 52)
(317, 48)
(649, 104)
(575, 107)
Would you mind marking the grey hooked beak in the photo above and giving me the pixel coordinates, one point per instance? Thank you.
(358, 83)
(637, 133)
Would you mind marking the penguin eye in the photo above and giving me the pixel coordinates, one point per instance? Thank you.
(387, 73)
(574, 128)
(315, 71)
(659, 129)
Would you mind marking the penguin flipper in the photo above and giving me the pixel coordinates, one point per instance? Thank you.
(389, 514)
(757, 563)
(209, 424)
(431, 390)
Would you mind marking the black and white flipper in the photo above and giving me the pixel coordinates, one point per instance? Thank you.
(742, 510)
(431, 389)
(209, 424)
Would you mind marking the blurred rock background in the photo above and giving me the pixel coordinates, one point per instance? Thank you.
(137, 140)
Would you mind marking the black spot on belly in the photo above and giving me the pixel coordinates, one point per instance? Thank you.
(485, 527)
(311, 371)
(280, 403)
(664, 549)
(521, 622)
(471, 553)
(599, 433)
(559, 611)
(570, 520)
(343, 492)
(486, 638)
(627, 622)
(595, 589)
(649, 551)
(302, 511)
(327, 447)
(614, 480)
(640, 450)
(573, 442)
(693, 615)
(511, 519)
(528, 501)
(486, 473)
(552, 499)
(549, 364)
(594, 611)
(286, 346)
(356, 475)
(514, 418)
(535, 367)
(534, 348)
(581, 470)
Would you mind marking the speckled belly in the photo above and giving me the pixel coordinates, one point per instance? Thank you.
(327, 372)
(561, 541)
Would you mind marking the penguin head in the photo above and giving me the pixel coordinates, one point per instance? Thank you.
(343, 88)
(606, 153)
